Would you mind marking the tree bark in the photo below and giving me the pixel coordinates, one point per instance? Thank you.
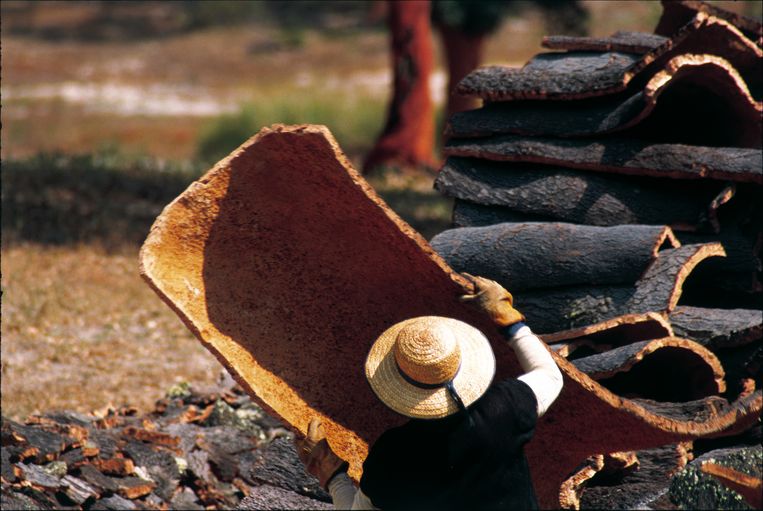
(618, 331)
(668, 369)
(717, 328)
(579, 75)
(673, 105)
(619, 156)
(553, 193)
(660, 288)
(408, 135)
(552, 255)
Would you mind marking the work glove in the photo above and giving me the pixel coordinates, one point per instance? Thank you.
(492, 299)
(314, 451)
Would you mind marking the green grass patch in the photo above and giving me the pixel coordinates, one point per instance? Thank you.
(354, 121)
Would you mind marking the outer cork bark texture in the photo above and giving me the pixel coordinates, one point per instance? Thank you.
(625, 329)
(668, 369)
(625, 42)
(572, 488)
(540, 255)
(289, 286)
(677, 13)
(620, 156)
(673, 105)
(554, 193)
(662, 284)
(585, 74)
(717, 328)
(572, 307)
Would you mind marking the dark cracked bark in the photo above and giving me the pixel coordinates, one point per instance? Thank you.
(672, 106)
(668, 369)
(621, 156)
(549, 192)
(550, 255)
(717, 328)
(584, 74)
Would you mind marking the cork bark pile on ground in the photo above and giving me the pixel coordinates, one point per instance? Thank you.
(602, 141)
(200, 448)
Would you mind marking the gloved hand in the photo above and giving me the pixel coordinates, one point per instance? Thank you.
(492, 299)
(314, 451)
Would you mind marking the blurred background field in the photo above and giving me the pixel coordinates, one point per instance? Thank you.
(110, 109)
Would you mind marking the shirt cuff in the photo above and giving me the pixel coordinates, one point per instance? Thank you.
(509, 332)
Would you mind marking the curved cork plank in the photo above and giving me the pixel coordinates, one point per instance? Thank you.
(539, 255)
(662, 283)
(696, 87)
(573, 75)
(611, 466)
(621, 41)
(581, 197)
(580, 348)
(573, 486)
(658, 290)
(677, 13)
(717, 328)
(625, 329)
(707, 34)
(573, 307)
(289, 287)
(580, 75)
(620, 156)
(743, 248)
(668, 369)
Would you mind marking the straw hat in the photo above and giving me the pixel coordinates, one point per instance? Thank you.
(411, 364)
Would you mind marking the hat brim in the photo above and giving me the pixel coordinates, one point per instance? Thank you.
(474, 375)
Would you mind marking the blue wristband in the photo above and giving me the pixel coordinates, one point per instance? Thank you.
(510, 331)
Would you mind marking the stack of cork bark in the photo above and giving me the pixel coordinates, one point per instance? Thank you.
(613, 186)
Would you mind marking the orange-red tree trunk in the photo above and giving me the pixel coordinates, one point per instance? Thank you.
(408, 136)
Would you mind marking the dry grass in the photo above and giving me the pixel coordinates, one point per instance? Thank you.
(81, 330)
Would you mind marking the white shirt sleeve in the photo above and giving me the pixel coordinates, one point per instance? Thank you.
(346, 496)
(541, 372)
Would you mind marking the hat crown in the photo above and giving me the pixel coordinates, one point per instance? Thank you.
(427, 352)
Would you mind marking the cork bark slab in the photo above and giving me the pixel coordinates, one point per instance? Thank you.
(620, 156)
(657, 290)
(573, 487)
(554, 193)
(677, 13)
(625, 329)
(579, 75)
(620, 41)
(696, 88)
(662, 283)
(717, 328)
(538, 255)
(287, 266)
(667, 369)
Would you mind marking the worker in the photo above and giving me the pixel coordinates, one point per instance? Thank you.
(464, 445)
